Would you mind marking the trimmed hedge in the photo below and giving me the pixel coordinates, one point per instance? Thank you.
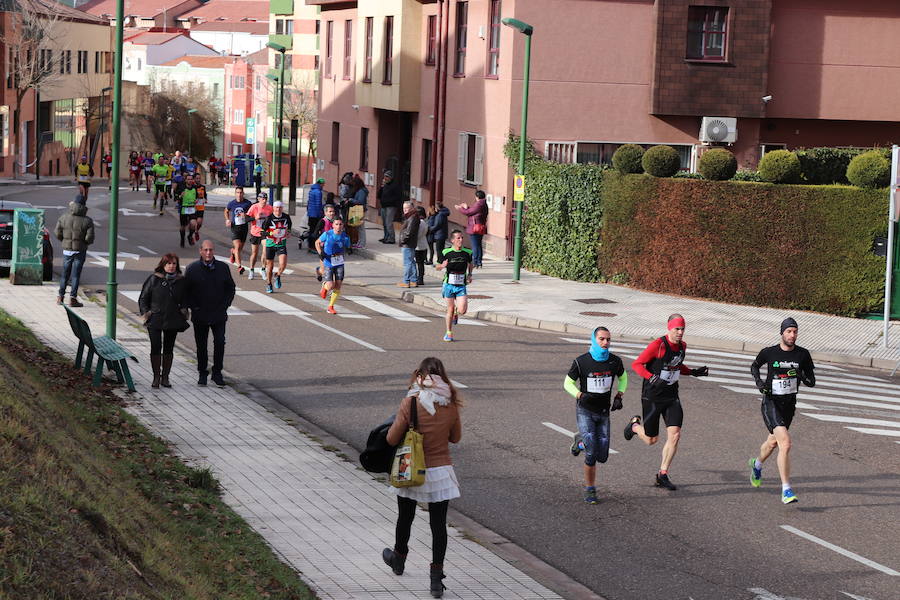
(789, 246)
(717, 164)
(780, 166)
(824, 166)
(870, 170)
(661, 161)
(627, 159)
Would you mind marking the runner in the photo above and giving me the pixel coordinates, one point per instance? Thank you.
(325, 224)
(170, 176)
(277, 228)
(160, 172)
(134, 171)
(83, 174)
(458, 263)
(786, 365)
(236, 219)
(147, 163)
(201, 205)
(590, 382)
(186, 201)
(331, 246)
(256, 215)
(661, 364)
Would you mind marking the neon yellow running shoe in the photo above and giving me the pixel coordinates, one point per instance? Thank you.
(755, 474)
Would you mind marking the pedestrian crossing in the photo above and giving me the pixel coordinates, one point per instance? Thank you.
(848, 399)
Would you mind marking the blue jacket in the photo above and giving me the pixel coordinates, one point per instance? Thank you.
(314, 202)
(438, 224)
(361, 198)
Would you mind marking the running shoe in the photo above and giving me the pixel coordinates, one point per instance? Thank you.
(455, 318)
(318, 274)
(197, 237)
(330, 310)
(662, 480)
(629, 433)
(241, 270)
(250, 275)
(278, 282)
(323, 292)
(590, 496)
(755, 474)
(269, 289)
(576, 448)
(190, 239)
(788, 496)
(448, 337)
(232, 257)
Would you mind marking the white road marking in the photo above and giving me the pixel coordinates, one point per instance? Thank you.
(463, 321)
(233, 311)
(854, 596)
(568, 433)
(814, 393)
(147, 250)
(381, 307)
(872, 431)
(839, 550)
(764, 594)
(127, 212)
(820, 398)
(122, 237)
(458, 384)
(855, 420)
(227, 260)
(805, 406)
(318, 302)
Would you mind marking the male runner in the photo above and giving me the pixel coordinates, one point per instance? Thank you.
(160, 180)
(256, 215)
(331, 246)
(277, 228)
(590, 382)
(186, 201)
(325, 224)
(201, 205)
(661, 364)
(236, 219)
(170, 178)
(458, 263)
(787, 365)
(83, 174)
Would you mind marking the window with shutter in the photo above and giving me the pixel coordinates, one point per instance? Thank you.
(479, 160)
(461, 157)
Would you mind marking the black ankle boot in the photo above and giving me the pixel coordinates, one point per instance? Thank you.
(396, 561)
(437, 585)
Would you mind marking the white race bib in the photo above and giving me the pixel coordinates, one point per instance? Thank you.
(84, 178)
(785, 386)
(188, 210)
(670, 376)
(599, 385)
(337, 260)
(456, 278)
(240, 219)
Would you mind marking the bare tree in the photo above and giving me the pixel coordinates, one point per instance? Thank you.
(173, 128)
(301, 103)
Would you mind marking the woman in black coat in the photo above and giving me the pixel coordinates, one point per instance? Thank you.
(160, 305)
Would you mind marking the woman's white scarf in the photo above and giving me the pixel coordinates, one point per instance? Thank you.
(433, 390)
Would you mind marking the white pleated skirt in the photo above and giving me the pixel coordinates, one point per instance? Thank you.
(440, 484)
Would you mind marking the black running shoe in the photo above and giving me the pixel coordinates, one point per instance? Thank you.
(575, 448)
(663, 481)
(629, 433)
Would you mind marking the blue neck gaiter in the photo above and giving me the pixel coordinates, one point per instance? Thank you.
(597, 353)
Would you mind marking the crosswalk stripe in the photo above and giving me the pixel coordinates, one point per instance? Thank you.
(381, 307)
(821, 398)
(227, 260)
(812, 393)
(271, 303)
(233, 311)
(565, 431)
(323, 304)
(463, 321)
(855, 420)
(872, 431)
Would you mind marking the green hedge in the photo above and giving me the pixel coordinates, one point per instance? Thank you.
(627, 159)
(823, 166)
(870, 170)
(718, 164)
(789, 246)
(661, 161)
(780, 166)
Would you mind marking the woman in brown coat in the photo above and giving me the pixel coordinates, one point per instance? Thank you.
(437, 410)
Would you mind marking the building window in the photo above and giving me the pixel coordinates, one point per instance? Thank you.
(431, 43)
(493, 61)
(364, 149)
(388, 51)
(46, 61)
(238, 118)
(288, 61)
(335, 140)
(707, 33)
(215, 90)
(470, 165)
(329, 35)
(97, 61)
(258, 82)
(318, 26)
(348, 47)
(82, 61)
(426, 163)
(284, 27)
(65, 62)
(367, 69)
(462, 17)
(316, 62)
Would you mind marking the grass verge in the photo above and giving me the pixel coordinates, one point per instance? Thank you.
(93, 506)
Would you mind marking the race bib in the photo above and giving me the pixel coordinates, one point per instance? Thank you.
(84, 178)
(133, 168)
(188, 210)
(337, 260)
(670, 376)
(599, 385)
(240, 219)
(784, 386)
(456, 278)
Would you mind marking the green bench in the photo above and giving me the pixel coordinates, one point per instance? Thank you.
(108, 352)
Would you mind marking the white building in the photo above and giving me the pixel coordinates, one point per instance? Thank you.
(156, 48)
(229, 37)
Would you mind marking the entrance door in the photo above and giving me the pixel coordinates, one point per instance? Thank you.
(395, 146)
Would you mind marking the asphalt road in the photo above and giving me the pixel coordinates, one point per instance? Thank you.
(714, 538)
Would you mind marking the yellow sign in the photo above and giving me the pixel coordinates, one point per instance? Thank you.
(519, 188)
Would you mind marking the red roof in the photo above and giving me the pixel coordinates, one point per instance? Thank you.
(231, 10)
(139, 8)
(153, 38)
(250, 27)
(200, 62)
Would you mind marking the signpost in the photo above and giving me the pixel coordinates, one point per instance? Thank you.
(27, 247)
(251, 130)
(519, 188)
(892, 225)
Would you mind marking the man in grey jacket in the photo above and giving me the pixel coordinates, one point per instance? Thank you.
(409, 238)
(76, 232)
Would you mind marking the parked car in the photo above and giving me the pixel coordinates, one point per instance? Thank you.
(6, 237)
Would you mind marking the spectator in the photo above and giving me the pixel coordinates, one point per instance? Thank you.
(437, 230)
(390, 196)
(476, 225)
(314, 211)
(409, 238)
(421, 246)
(76, 232)
(160, 305)
(360, 198)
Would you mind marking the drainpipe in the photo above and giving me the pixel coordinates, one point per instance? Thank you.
(435, 111)
(445, 43)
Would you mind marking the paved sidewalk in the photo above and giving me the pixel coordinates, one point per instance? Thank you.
(324, 515)
(544, 302)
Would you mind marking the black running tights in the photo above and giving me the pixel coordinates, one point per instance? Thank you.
(438, 518)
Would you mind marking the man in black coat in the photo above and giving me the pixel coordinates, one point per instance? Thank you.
(390, 197)
(209, 292)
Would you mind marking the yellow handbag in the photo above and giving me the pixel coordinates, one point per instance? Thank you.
(408, 469)
(355, 215)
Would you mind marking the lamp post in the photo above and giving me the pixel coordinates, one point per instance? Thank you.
(112, 284)
(274, 79)
(527, 30)
(191, 112)
(282, 50)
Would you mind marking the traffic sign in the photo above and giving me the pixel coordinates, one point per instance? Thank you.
(251, 130)
(519, 188)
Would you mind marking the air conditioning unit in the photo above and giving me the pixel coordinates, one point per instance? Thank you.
(369, 178)
(320, 164)
(718, 130)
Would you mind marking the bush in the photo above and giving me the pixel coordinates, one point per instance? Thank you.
(717, 164)
(627, 159)
(824, 166)
(870, 170)
(661, 161)
(780, 166)
(687, 175)
(747, 176)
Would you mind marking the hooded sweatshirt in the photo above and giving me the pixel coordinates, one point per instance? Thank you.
(75, 229)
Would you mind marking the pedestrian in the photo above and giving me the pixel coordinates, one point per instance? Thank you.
(258, 176)
(457, 262)
(409, 238)
(357, 214)
(476, 225)
(208, 294)
(161, 306)
(661, 365)
(421, 246)
(437, 406)
(83, 174)
(314, 211)
(76, 232)
(438, 224)
(590, 381)
(787, 365)
(390, 197)
(236, 220)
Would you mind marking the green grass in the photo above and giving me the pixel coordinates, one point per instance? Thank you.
(93, 506)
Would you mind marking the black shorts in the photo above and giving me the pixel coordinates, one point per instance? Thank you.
(777, 412)
(255, 240)
(186, 219)
(670, 411)
(160, 187)
(239, 232)
(273, 251)
(333, 273)
(86, 184)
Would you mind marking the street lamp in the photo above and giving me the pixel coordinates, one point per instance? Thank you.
(190, 111)
(282, 50)
(526, 29)
(274, 79)
(111, 283)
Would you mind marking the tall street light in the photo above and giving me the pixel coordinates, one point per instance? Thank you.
(527, 30)
(112, 284)
(191, 112)
(274, 79)
(282, 50)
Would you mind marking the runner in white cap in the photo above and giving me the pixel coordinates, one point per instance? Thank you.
(277, 229)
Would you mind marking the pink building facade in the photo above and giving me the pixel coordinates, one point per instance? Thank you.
(247, 94)
(778, 73)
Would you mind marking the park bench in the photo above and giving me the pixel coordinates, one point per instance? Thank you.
(108, 352)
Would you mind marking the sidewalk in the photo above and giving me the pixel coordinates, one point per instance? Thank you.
(291, 481)
(544, 302)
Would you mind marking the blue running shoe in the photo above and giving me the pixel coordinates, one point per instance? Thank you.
(278, 282)
(755, 474)
(590, 496)
(788, 496)
(268, 288)
(448, 337)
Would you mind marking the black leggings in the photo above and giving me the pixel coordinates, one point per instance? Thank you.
(435, 247)
(162, 341)
(438, 513)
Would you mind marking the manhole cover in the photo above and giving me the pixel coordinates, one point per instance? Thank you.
(598, 314)
(594, 301)
(479, 297)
